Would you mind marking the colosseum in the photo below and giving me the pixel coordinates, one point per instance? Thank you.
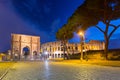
(55, 49)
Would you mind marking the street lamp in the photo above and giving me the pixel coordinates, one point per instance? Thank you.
(82, 44)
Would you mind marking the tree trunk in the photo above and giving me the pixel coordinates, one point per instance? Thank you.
(64, 50)
(106, 47)
(64, 53)
(68, 54)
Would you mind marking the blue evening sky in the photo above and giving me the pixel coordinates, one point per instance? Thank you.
(42, 18)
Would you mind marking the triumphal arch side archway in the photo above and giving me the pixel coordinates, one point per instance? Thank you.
(24, 46)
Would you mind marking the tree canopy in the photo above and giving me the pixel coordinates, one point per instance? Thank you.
(91, 12)
(65, 33)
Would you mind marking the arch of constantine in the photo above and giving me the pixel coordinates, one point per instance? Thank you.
(25, 46)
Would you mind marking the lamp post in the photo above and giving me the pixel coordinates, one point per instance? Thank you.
(82, 44)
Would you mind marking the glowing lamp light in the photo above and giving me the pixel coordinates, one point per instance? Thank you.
(80, 33)
(84, 50)
(46, 52)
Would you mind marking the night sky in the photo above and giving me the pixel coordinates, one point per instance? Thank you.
(42, 18)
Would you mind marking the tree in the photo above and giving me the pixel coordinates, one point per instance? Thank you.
(91, 12)
(64, 34)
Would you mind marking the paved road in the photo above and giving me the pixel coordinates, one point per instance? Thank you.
(61, 71)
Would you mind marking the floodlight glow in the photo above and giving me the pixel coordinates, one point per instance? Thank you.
(46, 52)
(56, 52)
(81, 33)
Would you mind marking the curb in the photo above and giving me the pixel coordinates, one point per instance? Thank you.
(3, 75)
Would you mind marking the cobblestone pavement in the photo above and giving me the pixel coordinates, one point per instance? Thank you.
(61, 71)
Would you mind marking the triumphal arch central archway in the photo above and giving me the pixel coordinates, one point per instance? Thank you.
(25, 46)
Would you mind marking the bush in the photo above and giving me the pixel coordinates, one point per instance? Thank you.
(75, 56)
(98, 54)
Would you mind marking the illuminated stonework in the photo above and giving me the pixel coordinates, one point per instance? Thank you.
(19, 42)
(55, 50)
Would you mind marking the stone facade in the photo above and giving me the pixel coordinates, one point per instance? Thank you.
(20, 42)
(55, 50)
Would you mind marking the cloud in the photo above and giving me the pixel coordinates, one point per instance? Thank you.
(10, 22)
(54, 28)
(4, 1)
(55, 25)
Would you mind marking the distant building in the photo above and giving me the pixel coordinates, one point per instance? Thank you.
(94, 45)
(55, 49)
(24, 46)
(2, 57)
